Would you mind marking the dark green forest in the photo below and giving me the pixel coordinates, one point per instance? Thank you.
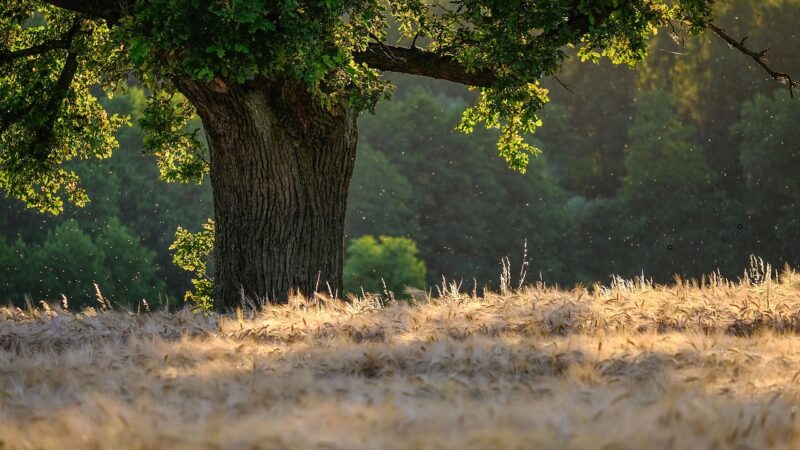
(686, 165)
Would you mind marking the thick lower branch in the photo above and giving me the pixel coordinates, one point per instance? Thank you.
(419, 62)
(414, 61)
(43, 135)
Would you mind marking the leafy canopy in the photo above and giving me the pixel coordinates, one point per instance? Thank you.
(54, 63)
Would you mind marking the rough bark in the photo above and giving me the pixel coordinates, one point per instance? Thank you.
(280, 169)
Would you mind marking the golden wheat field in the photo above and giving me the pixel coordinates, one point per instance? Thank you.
(709, 365)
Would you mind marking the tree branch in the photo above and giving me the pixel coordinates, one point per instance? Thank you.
(54, 44)
(43, 134)
(65, 42)
(419, 62)
(758, 57)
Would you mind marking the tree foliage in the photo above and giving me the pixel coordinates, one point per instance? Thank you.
(49, 61)
(335, 46)
(193, 253)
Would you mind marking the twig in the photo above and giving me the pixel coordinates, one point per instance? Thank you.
(414, 42)
(564, 85)
(386, 50)
(758, 57)
(671, 52)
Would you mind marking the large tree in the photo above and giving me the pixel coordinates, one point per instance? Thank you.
(278, 86)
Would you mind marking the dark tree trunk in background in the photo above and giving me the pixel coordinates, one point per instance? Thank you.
(281, 166)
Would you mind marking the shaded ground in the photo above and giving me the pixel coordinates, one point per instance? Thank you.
(632, 366)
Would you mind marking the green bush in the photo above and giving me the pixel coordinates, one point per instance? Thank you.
(390, 260)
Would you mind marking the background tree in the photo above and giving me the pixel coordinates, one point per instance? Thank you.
(710, 82)
(585, 130)
(673, 214)
(770, 158)
(381, 198)
(16, 276)
(69, 262)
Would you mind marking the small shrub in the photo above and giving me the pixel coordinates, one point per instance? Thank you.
(390, 260)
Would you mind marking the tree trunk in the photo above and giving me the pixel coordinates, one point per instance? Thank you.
(281, 166)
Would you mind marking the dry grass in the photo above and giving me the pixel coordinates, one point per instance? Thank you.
(633, 366)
